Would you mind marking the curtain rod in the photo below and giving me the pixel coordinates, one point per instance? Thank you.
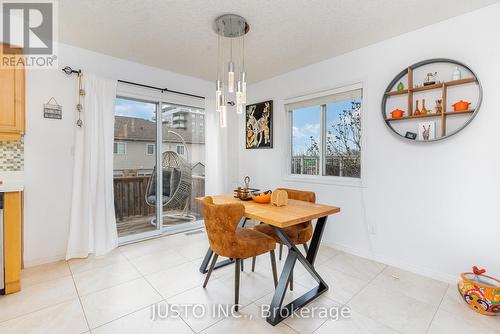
(163, 90)
(68, 70)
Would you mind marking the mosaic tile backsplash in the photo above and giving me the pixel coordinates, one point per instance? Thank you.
(12, 155)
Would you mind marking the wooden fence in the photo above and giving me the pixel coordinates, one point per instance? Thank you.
(130, 196)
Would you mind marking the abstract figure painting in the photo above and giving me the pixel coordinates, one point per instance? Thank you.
(426, 131)
(259, 125)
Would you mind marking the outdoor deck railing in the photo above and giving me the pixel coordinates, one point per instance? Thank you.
(311, 165)
(130, 196)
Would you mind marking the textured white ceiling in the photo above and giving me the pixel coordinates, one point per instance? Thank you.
(178, 35)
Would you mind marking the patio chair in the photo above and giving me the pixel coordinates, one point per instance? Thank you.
(176, 190)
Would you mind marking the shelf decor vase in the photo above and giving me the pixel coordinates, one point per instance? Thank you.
(456, 75)
(424, 109)
(417, 111)
(400, 87)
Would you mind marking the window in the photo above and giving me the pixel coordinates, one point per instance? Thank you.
(120, 148)
(180, 149)
(150, 149)
(326, 134)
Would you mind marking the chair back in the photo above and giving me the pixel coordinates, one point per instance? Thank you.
(221, 221)
(300, 195)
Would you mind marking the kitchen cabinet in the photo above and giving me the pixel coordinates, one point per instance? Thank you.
(12, 237)
(12, 102)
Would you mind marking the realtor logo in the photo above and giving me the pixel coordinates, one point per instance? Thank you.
(29, 34)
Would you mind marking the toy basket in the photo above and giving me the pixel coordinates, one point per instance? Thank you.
(480, 292)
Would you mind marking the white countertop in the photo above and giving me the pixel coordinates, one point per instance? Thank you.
(11, 181)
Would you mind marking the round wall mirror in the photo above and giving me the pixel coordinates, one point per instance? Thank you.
(432, 100)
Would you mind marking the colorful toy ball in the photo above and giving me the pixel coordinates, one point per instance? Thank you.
(480, 292)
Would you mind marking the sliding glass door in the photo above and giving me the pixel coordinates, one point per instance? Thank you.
(134, 164)
(159, 167)
(183, 156)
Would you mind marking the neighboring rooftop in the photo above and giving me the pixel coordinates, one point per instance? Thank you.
(139, 129)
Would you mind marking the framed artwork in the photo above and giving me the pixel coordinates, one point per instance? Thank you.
(426, 131)
(259, 125)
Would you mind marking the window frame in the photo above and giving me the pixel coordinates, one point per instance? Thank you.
(177, 149)
(117, 143)
(148, 145)
(287, 175)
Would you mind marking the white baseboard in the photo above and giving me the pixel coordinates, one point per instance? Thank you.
(44, 260)
(395, 262)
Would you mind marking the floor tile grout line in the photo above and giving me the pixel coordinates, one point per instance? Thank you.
(42, 308)
(140, 274)
(79, 298)
(125, 315)
(150, 284)
(363, 288)
(366, 285)
(37, 310)
(437, 309)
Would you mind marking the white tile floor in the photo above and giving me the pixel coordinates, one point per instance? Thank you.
(114, 294)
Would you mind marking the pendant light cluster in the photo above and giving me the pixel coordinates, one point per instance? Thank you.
(231, 30)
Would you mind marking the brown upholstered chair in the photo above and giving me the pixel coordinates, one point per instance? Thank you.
(226, 239)
(298, 234)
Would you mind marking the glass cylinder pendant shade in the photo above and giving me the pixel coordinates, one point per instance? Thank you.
(239, 108)
(243, 87)
(239, 103)
(218, 95)
(223, 117)
(230, 77)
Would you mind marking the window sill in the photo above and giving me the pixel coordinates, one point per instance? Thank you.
(327, 180)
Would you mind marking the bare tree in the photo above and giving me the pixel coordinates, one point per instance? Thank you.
(344, 141)
(312, 150)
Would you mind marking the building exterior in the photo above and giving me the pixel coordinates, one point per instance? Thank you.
(135, 141)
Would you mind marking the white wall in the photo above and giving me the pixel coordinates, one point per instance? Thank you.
(433, 205)
(49, 143)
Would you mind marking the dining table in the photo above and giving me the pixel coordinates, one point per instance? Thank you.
(293, 213)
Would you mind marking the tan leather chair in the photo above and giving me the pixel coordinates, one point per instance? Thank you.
(226, 239)
(298, 234)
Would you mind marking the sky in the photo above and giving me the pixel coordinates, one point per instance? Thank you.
(137, 109)
(306, 123)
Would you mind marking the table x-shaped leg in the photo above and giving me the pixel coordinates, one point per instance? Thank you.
(279, 312)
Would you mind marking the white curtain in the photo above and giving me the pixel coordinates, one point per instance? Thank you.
(93, 225)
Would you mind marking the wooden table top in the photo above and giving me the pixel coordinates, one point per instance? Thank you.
(294, 213)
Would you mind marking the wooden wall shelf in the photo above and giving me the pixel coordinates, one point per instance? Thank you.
(442, 86)
(435, 86)
(448, 113)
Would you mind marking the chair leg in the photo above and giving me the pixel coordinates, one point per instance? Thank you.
(281, 251)
(273, 265)
(291, 281)
(212, 265)
(241, 264)
(305, 247)
(236, 283)
(253, 264)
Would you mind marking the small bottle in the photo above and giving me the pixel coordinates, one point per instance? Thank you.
(417, 111)
(424, 109)
(457, 75)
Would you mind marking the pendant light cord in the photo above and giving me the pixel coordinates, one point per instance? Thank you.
(218, 58)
